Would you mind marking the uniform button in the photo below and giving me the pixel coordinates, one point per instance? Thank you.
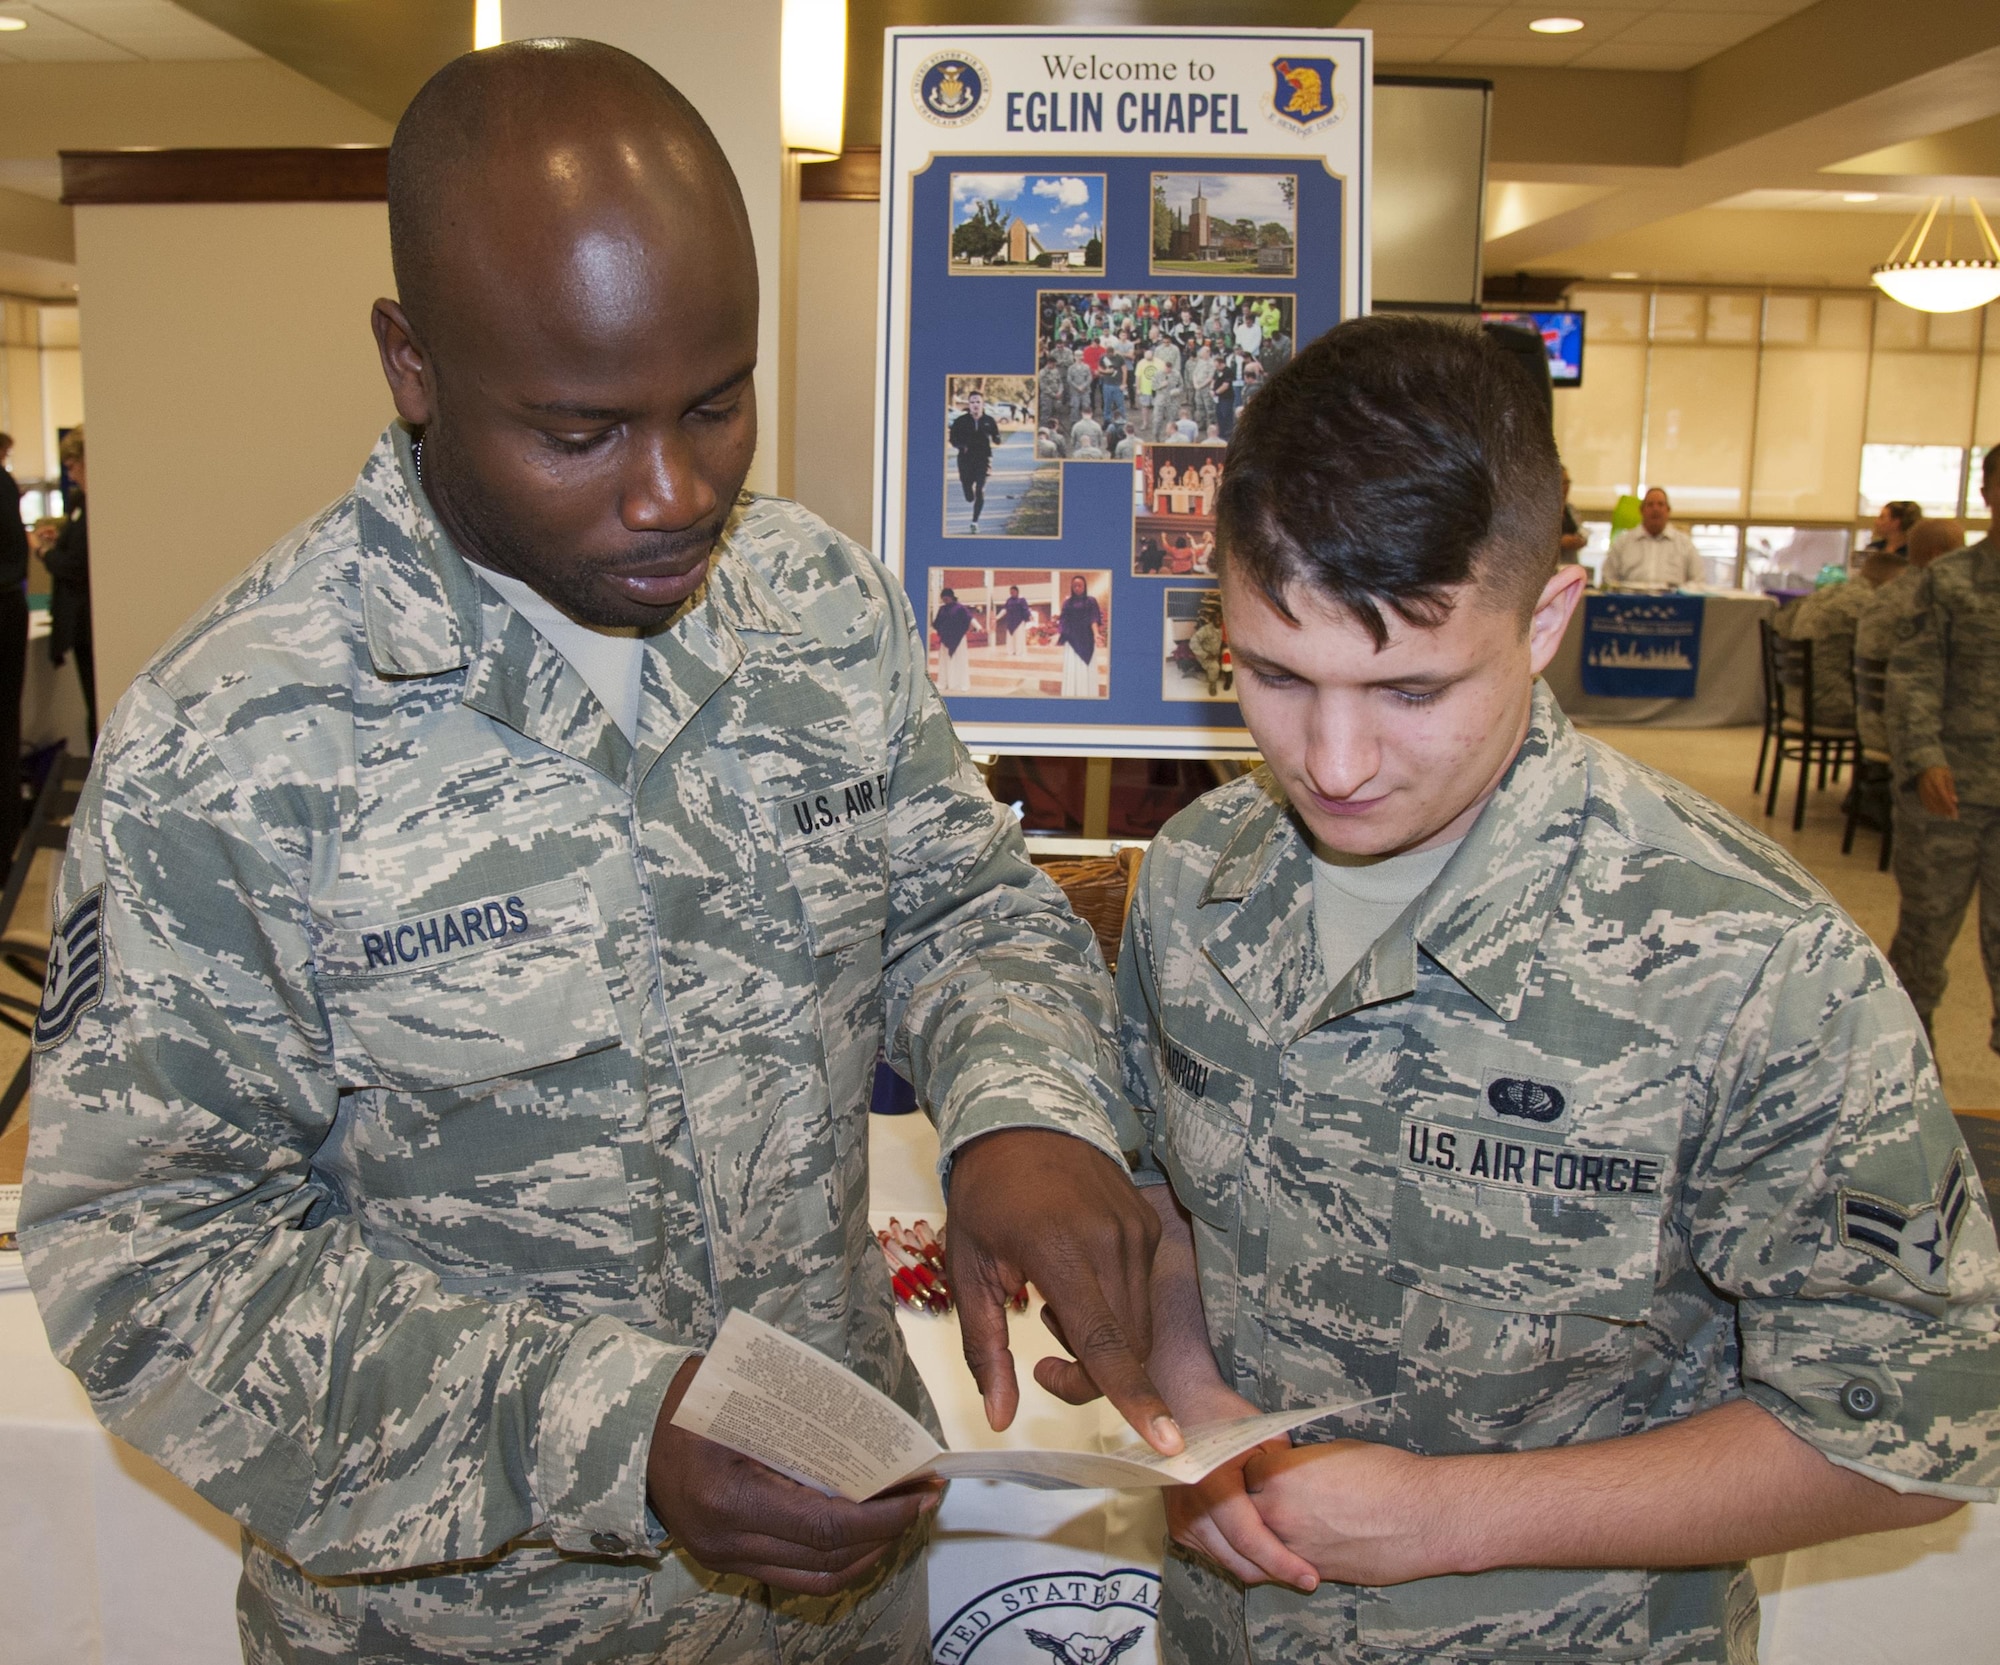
(1859, 1400)
(609, 1542)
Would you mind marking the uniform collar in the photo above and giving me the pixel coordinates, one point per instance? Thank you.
(1482, 920)
(427, 613)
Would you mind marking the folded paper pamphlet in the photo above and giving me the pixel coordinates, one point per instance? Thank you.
(771, 1397)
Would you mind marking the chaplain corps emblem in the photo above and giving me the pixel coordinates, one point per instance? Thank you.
(952, 87)
(1302, 94)
(1073, 1618)
(76, 970)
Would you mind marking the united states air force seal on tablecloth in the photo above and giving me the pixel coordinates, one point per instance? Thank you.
(1073, 1618)
(951, 88)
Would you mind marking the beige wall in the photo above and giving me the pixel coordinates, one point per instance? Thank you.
(833, 456)
(233, 390)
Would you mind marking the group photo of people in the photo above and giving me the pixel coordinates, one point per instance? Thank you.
(1020, 632)
(1116, 371)
(993, 480)
(1173, 510)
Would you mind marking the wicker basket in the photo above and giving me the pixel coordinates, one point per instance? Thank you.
(1099, 889)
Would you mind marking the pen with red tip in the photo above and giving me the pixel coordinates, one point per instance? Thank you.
(928, 1284)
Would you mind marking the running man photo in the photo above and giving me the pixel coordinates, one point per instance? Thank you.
(975, 436)
(1002, 489)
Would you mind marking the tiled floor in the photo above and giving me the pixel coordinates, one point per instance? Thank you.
(1718, 762)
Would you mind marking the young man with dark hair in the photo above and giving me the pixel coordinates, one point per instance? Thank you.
(975, 436)
(1515, 1095)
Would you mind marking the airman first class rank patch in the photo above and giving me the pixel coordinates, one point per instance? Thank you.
(1917, 1242)
(75, 977)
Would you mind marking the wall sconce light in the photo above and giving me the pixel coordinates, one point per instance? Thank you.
(812, 77)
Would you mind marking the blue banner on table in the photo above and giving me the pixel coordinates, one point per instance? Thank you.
(1641, 647)
(1099, 244)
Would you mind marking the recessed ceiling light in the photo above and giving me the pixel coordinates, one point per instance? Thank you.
(1556, 25)
(1860, 196)
(1623, 277)
(12, 25)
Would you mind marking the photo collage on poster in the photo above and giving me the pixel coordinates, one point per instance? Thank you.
(1139, 384)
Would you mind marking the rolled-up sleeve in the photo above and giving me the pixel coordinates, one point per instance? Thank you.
(1834, 1200)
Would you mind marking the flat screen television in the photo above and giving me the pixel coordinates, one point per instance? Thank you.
(1562, 339)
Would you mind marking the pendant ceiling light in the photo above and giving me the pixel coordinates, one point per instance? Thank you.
(1947, 284)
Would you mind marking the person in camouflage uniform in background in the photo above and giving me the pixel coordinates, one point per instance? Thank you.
(1828, 618)
(433, 1052)
(1052, 391)
(1875, 631)
(1517, 1097)
(1943, 702)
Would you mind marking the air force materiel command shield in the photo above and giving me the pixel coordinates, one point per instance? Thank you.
(1916, 1242)
(76, 970)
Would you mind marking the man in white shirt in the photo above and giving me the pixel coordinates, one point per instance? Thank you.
(1654, 554)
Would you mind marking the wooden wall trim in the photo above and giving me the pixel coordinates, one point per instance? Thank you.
(335, 173)
(855, 177)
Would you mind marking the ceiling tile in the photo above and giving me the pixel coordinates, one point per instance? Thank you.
(1621, 54)
(1409, 49)
(1532, 51)
(148, 28)
(1394, 17)
(49, 40)
(1768, 8)
(1713, 31)
(1600, 23)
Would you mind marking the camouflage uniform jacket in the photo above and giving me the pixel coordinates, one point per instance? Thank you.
(1617, 1123)
(458, 1063)
(1944, 677)
(1875, 634)
(1827, 618)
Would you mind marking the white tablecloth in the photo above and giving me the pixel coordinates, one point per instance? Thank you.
(106, 1560)
(51, 696)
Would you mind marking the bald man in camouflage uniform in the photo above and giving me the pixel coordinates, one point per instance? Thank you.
(433, 1052)
(1943, 701)
(1612, 1178)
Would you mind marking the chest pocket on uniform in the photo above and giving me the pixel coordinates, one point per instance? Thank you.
(490, 987)
(1550, 1225)
(835, 839)
(1204, 1121)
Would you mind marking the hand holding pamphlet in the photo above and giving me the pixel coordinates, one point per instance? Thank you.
(771, 1397)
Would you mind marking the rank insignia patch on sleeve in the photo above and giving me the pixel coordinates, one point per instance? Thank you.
(76, 970)
(1916, 1242)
